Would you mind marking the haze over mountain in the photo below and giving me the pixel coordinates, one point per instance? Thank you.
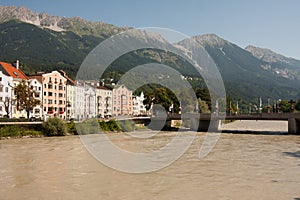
(43, 42)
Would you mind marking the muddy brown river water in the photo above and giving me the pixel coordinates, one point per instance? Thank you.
(241, 166)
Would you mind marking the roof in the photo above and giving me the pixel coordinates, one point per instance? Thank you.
(103, 88)
(69, 80)
(10, 70)
(37, 77)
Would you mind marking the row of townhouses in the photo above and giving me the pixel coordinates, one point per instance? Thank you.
(62, 97)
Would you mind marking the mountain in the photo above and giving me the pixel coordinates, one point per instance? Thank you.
(44, 43)
(276, 63)
(244, 74)
(75, 24)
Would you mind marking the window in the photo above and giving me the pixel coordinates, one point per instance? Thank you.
(60, 95)
(1, 88)
(49, 101)
(0, 108)
(45, 93)
(0, 78)
(1, 99)
(50, 86)
(6, 89)
(50, 94)
(45, 86)
(60, 102)
(60, 87)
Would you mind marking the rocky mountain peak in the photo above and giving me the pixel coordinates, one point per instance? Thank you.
(57, 23)
(267, 55)
(211, 39)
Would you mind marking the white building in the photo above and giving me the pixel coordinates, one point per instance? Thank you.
(138, 107)
(104, 101)
(6, 83)
(79, 101)
(89, 101)
(18, 76)
(36, 85)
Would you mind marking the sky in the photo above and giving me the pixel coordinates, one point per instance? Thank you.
(272, 24)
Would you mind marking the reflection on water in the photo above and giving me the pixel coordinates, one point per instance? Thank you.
(240, 167)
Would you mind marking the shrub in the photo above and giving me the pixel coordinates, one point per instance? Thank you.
(72, 128)
(54, 127)
(10, 131)
(127, 126)
(89, 126)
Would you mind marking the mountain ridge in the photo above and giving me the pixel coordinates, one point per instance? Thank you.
(245, 74)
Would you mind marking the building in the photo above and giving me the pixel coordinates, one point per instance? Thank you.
(89, 101)
(122, 101)
(6, 83)
(79, 101)
(70, 96)
(104, 102)
(35, 83)
(18, 76)
(138, 107)
(54, 95)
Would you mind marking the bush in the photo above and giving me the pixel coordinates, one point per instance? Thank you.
(54, 127)
(90, 126)
(127, 126)
(72, 128)
(10, 131)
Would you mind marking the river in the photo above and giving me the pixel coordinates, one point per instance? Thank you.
(241, 166)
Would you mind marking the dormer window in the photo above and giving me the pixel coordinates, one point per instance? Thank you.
(16, 74)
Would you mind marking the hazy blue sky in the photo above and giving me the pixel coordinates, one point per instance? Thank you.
(272, 24)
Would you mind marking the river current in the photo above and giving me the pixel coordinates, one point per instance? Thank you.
(264, 165)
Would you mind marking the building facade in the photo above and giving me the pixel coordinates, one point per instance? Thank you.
(79, 101)
(104, 102)
(122, 101)
(89, 101)
(138, 105)
(35, 83)
(54, 95)
(6, 83)
(18, 76)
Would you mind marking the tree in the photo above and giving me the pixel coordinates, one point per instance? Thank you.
(297, 106)
(203, 106)
(7, 106)
(25, 98)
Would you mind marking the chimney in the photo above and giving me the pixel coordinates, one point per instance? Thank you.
(17, 64)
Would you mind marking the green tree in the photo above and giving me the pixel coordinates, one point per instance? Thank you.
(203, 106)
(54, 127)
(25, 98)
(297, 106)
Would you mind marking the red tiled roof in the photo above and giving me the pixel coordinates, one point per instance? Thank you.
(12, 71)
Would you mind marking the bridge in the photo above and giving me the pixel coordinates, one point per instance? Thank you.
(202, 122)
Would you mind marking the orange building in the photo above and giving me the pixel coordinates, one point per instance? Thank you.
(54, 95)
(122, 101)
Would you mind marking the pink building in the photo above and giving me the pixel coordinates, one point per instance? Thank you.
(122, 101)
(54, 95)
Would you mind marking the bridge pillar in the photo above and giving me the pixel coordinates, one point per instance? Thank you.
(294, 126)
(203, 125)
